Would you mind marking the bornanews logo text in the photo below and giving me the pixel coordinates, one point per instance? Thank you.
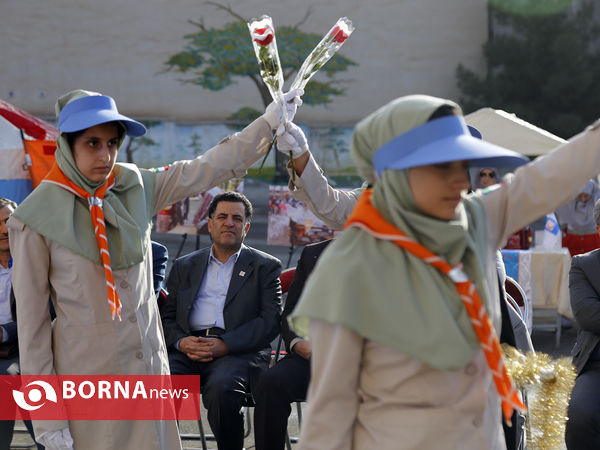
(100, 397)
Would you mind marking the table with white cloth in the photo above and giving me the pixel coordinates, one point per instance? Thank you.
(544, 276)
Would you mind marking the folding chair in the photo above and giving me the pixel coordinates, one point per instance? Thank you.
(517, 294)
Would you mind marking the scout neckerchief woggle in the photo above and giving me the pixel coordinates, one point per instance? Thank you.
(57, 177)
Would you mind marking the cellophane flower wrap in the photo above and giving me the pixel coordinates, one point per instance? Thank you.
(323, 52)
(264, 42)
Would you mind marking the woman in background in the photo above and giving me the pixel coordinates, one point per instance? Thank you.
(576, 218)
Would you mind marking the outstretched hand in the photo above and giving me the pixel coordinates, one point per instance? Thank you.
(292, 139)
(292, 100)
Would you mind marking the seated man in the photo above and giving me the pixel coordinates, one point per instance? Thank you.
(286, 381)
(221, 314)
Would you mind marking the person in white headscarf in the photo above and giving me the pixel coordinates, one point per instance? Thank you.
(577, 220)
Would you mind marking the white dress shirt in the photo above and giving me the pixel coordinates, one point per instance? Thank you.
(5, 284)
(207, 311)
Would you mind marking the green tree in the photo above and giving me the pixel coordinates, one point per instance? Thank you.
(542, 67)
(214, 57)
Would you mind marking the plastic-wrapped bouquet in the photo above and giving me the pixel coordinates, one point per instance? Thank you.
(265, 48)
(323, 52)
(262, 33)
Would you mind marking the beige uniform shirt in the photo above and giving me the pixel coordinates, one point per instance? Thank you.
(366, 395)
(83, 339)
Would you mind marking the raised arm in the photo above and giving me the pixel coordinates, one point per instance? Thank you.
(542, 185)
(230, 158)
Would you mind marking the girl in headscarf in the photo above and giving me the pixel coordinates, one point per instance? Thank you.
(83, 238)
(577, 216)
(405, 353)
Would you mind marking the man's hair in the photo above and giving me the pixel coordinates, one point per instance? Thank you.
(7, 202)
(231, 196)
(597, 213)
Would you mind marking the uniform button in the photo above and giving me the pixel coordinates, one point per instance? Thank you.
(132, 318)
(477, 422)
(471, 369)
(139, 355)
(124, 284)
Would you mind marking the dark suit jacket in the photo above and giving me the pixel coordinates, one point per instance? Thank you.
(160, 258)
(10, 328)
(252, 305)
(584, 288)
(305, 265)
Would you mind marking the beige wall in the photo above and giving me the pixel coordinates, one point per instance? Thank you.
(117, 47)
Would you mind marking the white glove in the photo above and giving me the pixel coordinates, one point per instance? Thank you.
(292, 138)
(292, 100)
(56, 440)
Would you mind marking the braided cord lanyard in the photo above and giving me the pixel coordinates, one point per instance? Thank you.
(366, 217)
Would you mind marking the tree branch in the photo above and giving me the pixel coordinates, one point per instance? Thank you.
(264, 92)
(226, 8)
(198, 24)
(307, 14)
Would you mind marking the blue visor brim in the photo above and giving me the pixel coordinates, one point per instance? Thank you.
(440, 141)
(94, 110)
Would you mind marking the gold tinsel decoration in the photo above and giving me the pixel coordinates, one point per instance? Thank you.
(547, 384)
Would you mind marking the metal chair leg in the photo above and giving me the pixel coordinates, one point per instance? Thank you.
(558, 329)
(247, 419)
(202, 435)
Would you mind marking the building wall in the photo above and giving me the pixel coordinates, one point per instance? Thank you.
(118, 47)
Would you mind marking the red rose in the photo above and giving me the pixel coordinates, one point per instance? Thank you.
(261, 30)
(338, 35)
(266, 41)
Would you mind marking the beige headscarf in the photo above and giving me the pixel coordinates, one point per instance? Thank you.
(384, 293)
(65, 218)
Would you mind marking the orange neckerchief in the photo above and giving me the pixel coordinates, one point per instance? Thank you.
(366, 217)
(56, 176)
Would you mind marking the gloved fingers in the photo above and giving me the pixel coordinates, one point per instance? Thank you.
(56, 440)
(286, 142)
(68, 439)
(294, 95)
(295, 131)
(292, 139)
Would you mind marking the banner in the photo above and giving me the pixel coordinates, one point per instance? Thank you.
(291, 222)
(190, 215)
